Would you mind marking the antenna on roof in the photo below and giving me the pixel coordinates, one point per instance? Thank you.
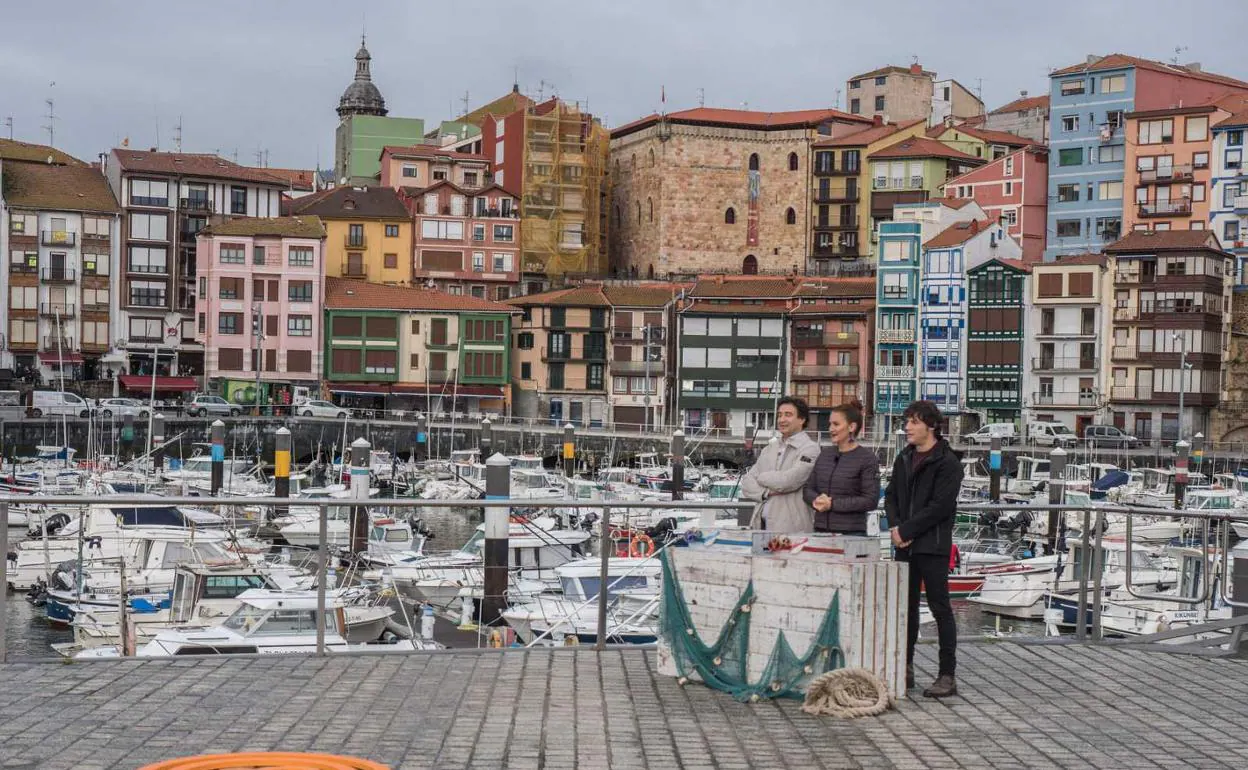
(465, 101)
(701, 97)
(177, 135)
(979, 89)
(51, 116)
(836, 99)
(8, 123)
(1178, 52)
(914, 58)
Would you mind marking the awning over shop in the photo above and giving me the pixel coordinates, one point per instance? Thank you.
(55, 359)
(143, 383)
(398, 389)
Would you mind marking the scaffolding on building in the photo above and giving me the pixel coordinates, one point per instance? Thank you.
(564, 228)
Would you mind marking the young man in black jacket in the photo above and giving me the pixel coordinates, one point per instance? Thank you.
(921, 504)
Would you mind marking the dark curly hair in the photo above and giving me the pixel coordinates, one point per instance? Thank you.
(803, 410)
(926, 412)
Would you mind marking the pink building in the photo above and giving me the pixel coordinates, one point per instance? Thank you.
(466, 241)
(425, 165)
(272, 268)
(1014, 191)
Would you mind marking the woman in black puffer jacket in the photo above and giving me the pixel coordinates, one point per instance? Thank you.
(845, 484)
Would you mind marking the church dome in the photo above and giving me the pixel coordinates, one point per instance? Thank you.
(362, 97)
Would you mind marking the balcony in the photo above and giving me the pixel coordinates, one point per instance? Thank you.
(1065, 398)
(895, 336)
(59, 238)
(637, 368)
(23, 268)
(57, 309)
(816, 372)
(1063, 364)
(833, 225)
(832, 171)
(95, 307)
(1181, 173)
(1164, 209)
(192, 205)
(355, 241)
(1174, 307)
(1050, 331)
(836, 196)
(57, 275)
(556, 355)
(1151, 395)
(54, 343)
(439, 376)
(142, 200)
(95, 238)
(352, 269)
(828, 338)
(894, 372)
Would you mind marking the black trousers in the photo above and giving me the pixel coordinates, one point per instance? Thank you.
(932, 573)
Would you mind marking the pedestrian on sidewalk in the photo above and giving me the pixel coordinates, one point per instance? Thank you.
(921, 504)
(845, 485)
(776, 480)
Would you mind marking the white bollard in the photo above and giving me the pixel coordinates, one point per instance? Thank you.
(426, 622)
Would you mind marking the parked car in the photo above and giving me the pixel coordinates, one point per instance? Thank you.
(320, 409)
(1108, 435)
(1003, 430)
(54, 402)
(203, 406)
(120, 407)
(1051, 434)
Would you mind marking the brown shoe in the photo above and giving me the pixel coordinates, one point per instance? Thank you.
(944, 686)
(909, 676)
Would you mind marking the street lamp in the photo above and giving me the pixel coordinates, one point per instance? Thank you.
(1183, 367)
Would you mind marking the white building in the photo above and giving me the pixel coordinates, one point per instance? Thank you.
(1228, 196)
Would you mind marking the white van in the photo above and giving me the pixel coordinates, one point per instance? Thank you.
(1003, 430)
(1051, 434)
(54, 402)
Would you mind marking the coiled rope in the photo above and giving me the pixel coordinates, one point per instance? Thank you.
(847, 693)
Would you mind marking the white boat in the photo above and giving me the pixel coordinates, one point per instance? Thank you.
(632, 611)
(272, 622)
(1127, 615)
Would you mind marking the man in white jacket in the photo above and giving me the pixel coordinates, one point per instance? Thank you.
(775, 482)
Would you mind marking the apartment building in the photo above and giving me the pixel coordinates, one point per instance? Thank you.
(1228, 190)
(258, 309)
(1172, 319)
(641, 363)
(894, 93)
(831, 335)
(1068, 317)
(59, 226)
(977, 141)
(166, 199)
(1026, 116)
(912, 170)
(368, 233)
(996, 341)
(1013, 191)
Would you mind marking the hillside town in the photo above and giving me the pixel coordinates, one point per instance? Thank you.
(1075, 257)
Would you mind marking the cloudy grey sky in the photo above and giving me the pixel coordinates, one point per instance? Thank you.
(268, 73)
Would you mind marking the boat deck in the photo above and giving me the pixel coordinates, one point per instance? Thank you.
(1021, 706)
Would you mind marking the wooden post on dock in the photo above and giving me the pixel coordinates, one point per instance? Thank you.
(994, 470)
(1057, 492)
(569, 451)
(422, 439)
(360, 449)
(678, 465)
(486, 438)
(281, 468)
(158, 442)
(1180, 474)
(218, 457)
(497, 530)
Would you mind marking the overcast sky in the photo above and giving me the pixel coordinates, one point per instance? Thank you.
(268, 74)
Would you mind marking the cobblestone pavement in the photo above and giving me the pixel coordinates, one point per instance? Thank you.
(1021, 706)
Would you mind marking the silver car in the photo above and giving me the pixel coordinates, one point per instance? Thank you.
(121, 407)
(203, 406)
(320, 409)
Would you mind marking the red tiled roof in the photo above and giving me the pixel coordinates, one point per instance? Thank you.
(866, 136)
(764, 121)
(957, 204)
(836, 287)
(1023, 103)
(354, 294)
(589, 295)
(192, 164)
(996, 137)
(1076, 260)
(656, 295)
(921, 147)
(282, 227)
(1236, 119)
(374, 202)
(735, 308)
(957, 234)
(1121, 61)
(1164, 240)
(35, 153)
(750, 287)
(888, 70)
(598, 295)
(426, 150)
(296, 178)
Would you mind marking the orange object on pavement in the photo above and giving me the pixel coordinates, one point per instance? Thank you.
(267, 760)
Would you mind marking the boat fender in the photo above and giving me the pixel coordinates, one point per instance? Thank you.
(496, 639)
(641, 547)
(571, 640)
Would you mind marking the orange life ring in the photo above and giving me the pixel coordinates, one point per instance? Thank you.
(635, 546)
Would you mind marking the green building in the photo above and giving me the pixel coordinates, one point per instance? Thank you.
(996, 340)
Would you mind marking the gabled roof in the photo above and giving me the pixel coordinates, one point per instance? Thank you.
(352, 203)
(922, 147)
(57, 188)
(282, 227)
(1015, 264)
(956, 204)
(1235, 120)
(1023, 103)
(191, 164)
(1121, 61)
(866, 136)
(589, 295)
(35, 153)
(753, 119)
(430, 151)
(742, 287)
(652, 295)
(296, 178)
(1164, 240)
(985, 171)
(957, 234)
(993, 137)
(836, 287)
(1077, 260)
(354, 294)
(891, 69)
(504, 105)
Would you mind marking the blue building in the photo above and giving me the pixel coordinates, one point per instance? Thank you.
(1228, 191)
(897, 316)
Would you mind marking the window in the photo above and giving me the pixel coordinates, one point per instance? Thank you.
(1156, 131)
(1108, 227)
(149, 227)
(1114, 153)
(436, 229)
(1109, 191)
(752, 163)
(146, 259)
(879, 103)
(299, 291)
(1114, 120)
(300, 256)
(504, 233)
(299, 325)
(855, 84)
(148, 293)
(1229, 193)
(1009, 167)
(98, 226)
(896, 285)
(1009, 217)
(1230, 231)
(381, 361)
(409, 172)
(881, 80)
(299, 360)
(1200, 160)
(526, 371)
(555, 375)
(1068, 228)
(1068, 193)
(391, 261)
(1070, 123)
(238, 200)
(524, 340)
(1008, 188)
(790, 216)
(1196, 128)
(730, 216)
(1072, 87)
(1234, 158)
(233, 254)
(229, 323)
(478, 231)
(1113, 84)
(1198, 192)
(392, 231)
(855, 106)
(437, 331)
(793, 162)
(145, 192)
(1071, 156)
(503, 262)
(230, 288)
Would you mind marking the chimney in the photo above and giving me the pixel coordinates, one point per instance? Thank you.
(1093, 59)
(1022, 94)
(877, 119)
(1192, 66)
(915, 69)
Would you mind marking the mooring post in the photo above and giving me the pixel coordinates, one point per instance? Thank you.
(218, 457)
(360, 449)
(158, 442)
(281, 468)
(497, 530)
(994, 470)
(569, 451)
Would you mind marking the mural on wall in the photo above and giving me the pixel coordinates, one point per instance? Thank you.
(751, 221)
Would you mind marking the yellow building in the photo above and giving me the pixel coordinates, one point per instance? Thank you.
(368, 233)
(979, 142)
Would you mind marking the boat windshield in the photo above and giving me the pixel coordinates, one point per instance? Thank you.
(475, 543)
(245, 618)
(590, 585)
(1215, 502)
